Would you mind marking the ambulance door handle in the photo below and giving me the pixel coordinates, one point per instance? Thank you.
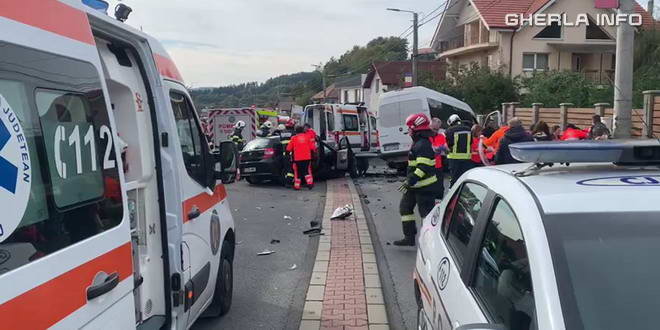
(106, 286)
(194, 213)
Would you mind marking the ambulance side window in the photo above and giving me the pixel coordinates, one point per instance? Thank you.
(461, 216)
(331, 121)
(59, 179)
(190, 137)
(502, 279)
(351, 123)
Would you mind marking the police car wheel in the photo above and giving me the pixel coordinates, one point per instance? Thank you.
(224, 285)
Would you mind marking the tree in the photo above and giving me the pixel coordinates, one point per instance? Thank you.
(483, 89)
(555, 87)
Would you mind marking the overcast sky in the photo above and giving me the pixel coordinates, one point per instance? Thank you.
(220, 42)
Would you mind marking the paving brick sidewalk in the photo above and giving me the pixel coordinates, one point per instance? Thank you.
(345, 290)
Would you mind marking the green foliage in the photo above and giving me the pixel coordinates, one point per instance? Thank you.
(483, 89)
(358, 59)
(261, 95)
(646, 65)
(555, 87)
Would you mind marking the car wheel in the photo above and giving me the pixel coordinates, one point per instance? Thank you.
(253, 180)
(224, 285)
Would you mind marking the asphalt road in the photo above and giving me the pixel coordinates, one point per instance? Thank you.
(268, 294)
(396, 264)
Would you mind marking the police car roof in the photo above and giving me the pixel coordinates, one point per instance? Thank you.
(590, 188)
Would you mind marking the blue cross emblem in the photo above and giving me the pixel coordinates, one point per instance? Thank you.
(8, 172)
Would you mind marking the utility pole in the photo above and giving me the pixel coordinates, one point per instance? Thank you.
(625, 40)
(319, 68)
(415, 51)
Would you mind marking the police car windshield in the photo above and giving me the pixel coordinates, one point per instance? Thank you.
(607, 268)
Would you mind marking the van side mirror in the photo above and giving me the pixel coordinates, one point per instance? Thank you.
(227, 159)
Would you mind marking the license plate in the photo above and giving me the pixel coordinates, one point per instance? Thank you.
(391, 147)
(250, 170)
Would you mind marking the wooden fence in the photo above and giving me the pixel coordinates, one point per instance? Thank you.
(648, 117)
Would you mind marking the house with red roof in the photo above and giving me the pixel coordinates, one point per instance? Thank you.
(390, 76)
(482, 32)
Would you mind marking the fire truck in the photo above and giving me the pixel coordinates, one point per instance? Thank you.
(115, 213)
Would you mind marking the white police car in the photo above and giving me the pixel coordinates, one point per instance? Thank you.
(536, 247)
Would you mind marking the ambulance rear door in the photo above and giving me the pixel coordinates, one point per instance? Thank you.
(65, 252)
(351, 127)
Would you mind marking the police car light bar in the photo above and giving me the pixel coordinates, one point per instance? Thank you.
(624, 152)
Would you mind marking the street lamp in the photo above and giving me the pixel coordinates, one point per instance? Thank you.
(415, 41)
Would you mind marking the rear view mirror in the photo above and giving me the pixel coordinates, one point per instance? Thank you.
(227, 158)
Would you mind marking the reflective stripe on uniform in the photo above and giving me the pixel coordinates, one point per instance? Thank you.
(467, 154)
(426, 161)
(420, 173)
(426, 182)
(412, 163)
(408, 218)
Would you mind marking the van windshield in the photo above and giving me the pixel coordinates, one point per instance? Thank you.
(395, 114)
(607, 268)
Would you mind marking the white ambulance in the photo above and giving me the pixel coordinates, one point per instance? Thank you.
(111, 215)
(349, 124)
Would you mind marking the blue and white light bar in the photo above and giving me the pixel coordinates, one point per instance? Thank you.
(610, 151)
(99, 5)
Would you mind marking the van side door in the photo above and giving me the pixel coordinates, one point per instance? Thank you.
(201, 202)
(65, 251)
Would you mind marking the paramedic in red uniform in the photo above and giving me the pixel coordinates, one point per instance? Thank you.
(439, 143)
(302, 148)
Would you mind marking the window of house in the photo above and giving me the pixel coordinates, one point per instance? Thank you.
(346, 96)
(502, 278)
(356, 94)
(553, 31)
(63, 182)
(461, 217)
(535, 62)
(377, 85)
(595, 32)
(351, 123)
(190, 137)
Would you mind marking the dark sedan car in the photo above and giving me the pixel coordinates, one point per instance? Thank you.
(263, 159)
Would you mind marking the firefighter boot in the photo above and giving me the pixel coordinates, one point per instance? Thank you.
(296, 184)
(409, 233)
(309, 179)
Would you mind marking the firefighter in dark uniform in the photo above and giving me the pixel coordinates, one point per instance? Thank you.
(459, 143)
(237, 135)
(421, 185)
(285, 138)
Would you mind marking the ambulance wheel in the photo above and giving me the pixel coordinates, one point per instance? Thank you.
(224, 285)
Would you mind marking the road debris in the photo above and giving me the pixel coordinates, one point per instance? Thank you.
(274, 241)
(286, 217)
(258, 207)
(316, 234)
(312, 231)
(342, 212)
(293, 267)
(313, 224)
(265, 253)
